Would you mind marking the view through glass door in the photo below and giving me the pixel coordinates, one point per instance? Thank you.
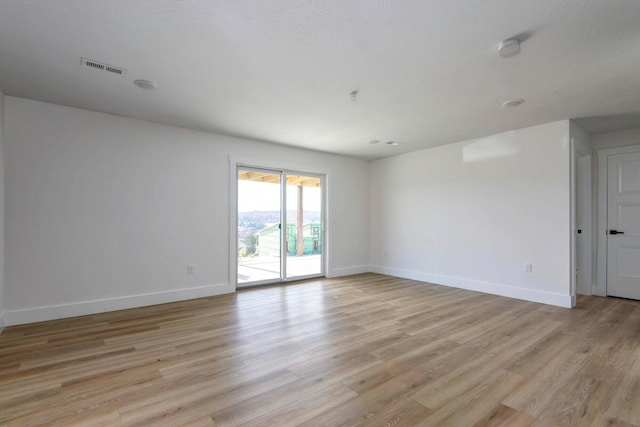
(304, 227)
(280, 228)
(259, 218)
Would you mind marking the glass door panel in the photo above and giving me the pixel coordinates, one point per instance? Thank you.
(303, 233)
(259, 231)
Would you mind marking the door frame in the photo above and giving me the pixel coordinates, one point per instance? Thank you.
(288, 168)
(577, 151)
(600, 287)
(582, 208)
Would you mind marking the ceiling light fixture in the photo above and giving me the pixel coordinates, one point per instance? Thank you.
(509, 48)
(394, 143)
(145, 84)
(513, 102)
(353, 95)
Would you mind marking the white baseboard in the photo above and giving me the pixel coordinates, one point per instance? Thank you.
(52, 312)
(2, 325)
(348, 271)
(526, 294)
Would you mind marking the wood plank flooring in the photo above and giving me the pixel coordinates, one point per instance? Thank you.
(362, 350)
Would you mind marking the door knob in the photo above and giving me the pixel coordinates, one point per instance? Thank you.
(615, 232)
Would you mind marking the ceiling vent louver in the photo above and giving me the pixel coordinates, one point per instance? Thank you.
(96, 65)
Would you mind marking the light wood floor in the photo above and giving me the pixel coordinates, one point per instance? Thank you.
(362, 350)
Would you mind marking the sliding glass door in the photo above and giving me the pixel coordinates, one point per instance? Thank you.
(280, 230)
(259, 229)
(304, 226)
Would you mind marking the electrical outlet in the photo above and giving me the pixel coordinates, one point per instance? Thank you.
(528, 268)
(190, 269)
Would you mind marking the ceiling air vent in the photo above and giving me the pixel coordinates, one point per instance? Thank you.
(96, 65)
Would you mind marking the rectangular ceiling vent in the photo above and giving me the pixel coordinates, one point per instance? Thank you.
(97, 65)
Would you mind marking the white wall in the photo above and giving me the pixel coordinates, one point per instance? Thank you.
(615, 139)
(581, 138)
(105, 212)
(2, 320)
(471, 214)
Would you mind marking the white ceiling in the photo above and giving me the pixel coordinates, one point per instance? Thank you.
(281, 71)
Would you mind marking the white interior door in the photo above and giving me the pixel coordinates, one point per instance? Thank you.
(623, 225)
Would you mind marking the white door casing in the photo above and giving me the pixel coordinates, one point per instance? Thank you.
(583, 225)
(623, 218)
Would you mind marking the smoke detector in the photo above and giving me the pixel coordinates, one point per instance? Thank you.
(101, 66)
(513, 102)
(509, 48)
(145, 84)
